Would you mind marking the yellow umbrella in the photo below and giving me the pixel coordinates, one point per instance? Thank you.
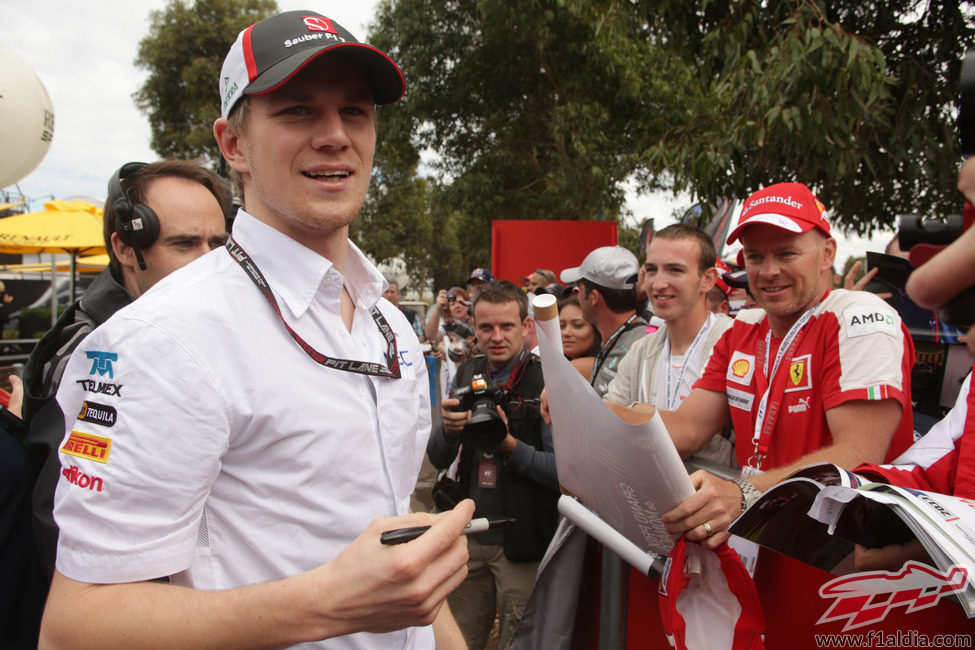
(73, 227)
(89, 264)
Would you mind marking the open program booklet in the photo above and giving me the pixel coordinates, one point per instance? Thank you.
(819, 512)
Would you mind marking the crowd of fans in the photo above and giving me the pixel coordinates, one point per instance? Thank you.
(217, 434)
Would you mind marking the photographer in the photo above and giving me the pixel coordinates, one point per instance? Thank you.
(506, 464)
(451, 313)
(450, 333)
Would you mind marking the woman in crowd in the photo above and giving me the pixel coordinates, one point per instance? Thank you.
(580, 340)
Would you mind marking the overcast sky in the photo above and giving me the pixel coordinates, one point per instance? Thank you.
(84, 53)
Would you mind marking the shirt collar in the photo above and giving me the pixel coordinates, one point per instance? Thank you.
(297, 274)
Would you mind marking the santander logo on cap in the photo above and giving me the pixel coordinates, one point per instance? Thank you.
(790, 206)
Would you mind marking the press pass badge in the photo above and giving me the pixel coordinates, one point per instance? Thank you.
(487, 472)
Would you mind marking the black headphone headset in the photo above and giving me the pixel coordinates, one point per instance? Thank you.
(136, 224)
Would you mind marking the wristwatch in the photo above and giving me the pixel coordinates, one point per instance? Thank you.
(749, 493)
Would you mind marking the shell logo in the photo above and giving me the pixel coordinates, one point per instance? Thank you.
(740, 368)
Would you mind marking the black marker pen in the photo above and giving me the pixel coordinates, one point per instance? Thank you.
(479, 525)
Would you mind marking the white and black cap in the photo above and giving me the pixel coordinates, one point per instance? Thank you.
(269, 53)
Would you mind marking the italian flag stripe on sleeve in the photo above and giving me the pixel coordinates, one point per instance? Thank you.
(877, 392)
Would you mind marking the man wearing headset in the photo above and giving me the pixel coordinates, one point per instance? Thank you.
(158, 218)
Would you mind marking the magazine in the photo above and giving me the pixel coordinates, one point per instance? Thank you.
(819, 512)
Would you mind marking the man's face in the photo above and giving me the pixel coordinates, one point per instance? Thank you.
(585, 302)
(473, 286)
(306, 151)
(673, 279)
(739, 298)
(191, 224)
(785, 270)
(392, 293)
(500, 331)
(535, 281)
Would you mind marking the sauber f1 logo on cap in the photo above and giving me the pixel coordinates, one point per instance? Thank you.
(318, 24)
(864, 598)
(86, 445)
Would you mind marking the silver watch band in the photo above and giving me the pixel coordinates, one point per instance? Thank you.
(749, 493)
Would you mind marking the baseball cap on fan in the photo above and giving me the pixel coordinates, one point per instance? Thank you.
(269, 53)
(612, 267)
(790, 206)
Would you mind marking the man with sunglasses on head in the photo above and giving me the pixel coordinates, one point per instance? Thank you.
(272, 407)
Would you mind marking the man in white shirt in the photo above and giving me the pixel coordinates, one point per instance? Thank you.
(270, 404)
(661, 368)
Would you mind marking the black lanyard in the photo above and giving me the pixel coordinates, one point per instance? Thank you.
(605, 350)
(347, 365)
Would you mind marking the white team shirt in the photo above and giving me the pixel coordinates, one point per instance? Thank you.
(233, 458)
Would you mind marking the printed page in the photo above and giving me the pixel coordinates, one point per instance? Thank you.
(628, 474)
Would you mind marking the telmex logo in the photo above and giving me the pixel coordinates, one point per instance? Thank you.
(98, 414)
(865, 598)
(86, 445)
(101, 387)
(740, 368)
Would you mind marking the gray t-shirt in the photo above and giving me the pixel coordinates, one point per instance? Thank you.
(613, 351)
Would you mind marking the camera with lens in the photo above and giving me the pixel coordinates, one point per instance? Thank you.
(485, 430)
(460, 328)
(924, 237)
(458, 335)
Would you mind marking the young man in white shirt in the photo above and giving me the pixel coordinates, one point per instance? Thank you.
(661, 368)
(272, 407)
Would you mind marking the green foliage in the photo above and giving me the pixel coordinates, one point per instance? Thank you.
(33, 323)
(526, 122)
(855, 99)
(183, 54)
(542, 109)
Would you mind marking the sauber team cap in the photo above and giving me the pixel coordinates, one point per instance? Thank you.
(270, 52)
(790, 206)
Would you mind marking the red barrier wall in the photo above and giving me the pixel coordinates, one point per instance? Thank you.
(520, 247)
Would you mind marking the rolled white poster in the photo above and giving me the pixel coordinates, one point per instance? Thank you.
(546, 311)
(605, 534)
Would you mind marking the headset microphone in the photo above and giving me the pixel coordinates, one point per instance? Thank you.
(136, 224)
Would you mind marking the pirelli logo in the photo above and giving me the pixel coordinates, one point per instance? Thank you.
(86, 445)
